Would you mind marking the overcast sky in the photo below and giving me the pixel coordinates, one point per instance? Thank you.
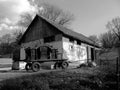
(91, 16)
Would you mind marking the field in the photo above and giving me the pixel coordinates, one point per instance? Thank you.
(5, 64)
(85, 78)
(5, 61)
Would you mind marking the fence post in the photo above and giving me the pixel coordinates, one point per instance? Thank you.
(117, 72)
(100, 62)
(117, 63)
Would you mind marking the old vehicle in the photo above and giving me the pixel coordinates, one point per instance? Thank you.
(45, 53)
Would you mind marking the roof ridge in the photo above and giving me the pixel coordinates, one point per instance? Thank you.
(69, 32)
(65, 31)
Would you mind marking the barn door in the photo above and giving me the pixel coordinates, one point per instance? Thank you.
(92, 54)
(33, 54)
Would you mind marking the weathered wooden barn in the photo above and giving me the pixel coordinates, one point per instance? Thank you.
(72, 46)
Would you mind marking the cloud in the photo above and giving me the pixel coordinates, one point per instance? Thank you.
(2, 0)
(5, 20)
(8, 21)
(13, 8)
(21, 6)
(5, 26)
(10, 11)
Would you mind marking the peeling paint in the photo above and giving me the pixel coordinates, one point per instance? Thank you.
(74, 52)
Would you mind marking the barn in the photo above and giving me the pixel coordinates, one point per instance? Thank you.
(70, 45)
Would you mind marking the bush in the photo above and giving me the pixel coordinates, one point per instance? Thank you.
(16, 54)
(60, 80)
(76, 79)
(25, 84)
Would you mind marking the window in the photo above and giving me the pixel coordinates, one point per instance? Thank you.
(49, 39)
(71, 48)
(79, 42)
(71, 40)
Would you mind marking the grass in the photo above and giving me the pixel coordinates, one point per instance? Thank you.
(71, 79)
(98, 78)
(5, 61)
(109, 54)
(5, 65)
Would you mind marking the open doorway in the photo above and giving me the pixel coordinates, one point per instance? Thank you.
(92, 54)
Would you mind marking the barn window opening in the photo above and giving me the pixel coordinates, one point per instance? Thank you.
(71, 40)
(79, 42)
(49, 39)
(71, 48)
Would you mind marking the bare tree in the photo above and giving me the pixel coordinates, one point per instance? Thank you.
(7, 38)
(55, 14)
(108, 39)
(114, 25)
(48, 11)
(26, 19)
(17, 35)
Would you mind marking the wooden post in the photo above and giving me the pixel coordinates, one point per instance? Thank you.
(117, 66)
(100, 62)
(117, 72)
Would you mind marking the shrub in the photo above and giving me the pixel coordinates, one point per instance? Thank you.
(76, 79)
(25, 84)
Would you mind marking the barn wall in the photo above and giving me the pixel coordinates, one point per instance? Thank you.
(57, 44)
(34, 31)
(39, 29)
(74, 52)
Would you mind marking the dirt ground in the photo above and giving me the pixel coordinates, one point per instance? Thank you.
(6, 74)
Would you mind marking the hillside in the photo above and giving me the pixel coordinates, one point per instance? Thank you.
(109, 54)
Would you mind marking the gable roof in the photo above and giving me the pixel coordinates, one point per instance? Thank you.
(65, 31)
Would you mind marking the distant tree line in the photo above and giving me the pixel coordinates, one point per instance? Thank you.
(8, 42)
(111, 38)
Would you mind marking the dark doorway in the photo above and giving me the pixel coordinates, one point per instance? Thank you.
(38, 53)
(92, 54)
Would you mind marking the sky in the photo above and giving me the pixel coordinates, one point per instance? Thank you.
(90, 16)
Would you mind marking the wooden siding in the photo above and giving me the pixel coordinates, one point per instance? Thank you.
(37, 43)
(39, 29)
(33, 44)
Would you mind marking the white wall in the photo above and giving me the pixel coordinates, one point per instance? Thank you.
(74, 52)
